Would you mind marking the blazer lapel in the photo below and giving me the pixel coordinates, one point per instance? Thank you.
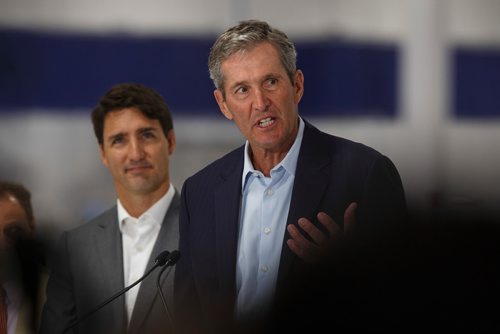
(310, 184)
(227, 207)
(109, 247)
(168, 239)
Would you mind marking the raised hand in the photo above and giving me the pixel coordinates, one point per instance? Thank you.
(320, 243)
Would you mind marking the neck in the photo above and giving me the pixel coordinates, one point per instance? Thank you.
(264, 159)
(138, 203)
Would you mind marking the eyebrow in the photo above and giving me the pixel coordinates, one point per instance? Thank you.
(273, 75)
(238, 84)
(123, 134)
(147, 129)
(115, 136)
(264, 78)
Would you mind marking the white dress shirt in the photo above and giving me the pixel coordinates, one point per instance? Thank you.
(138, 239)
(264, 211)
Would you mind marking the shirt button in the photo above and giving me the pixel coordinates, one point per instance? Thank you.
(267, 230)
(269, 192)
(139, 248)
(264, 269)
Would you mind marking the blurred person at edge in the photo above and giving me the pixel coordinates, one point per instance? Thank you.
(22, 265)
(134, 130)
(255, 222)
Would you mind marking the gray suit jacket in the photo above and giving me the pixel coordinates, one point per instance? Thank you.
(88, 269)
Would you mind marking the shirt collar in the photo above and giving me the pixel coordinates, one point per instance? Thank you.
(289, 163)
(157, 211)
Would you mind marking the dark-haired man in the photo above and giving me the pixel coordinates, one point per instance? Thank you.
(134, 130)
(22, 274)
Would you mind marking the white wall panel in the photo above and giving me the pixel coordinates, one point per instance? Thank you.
(56, 156)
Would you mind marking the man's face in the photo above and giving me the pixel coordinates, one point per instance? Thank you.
(14, 223)
(260, 98)
(136, 152)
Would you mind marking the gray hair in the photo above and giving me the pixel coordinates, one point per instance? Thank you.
(244, 37)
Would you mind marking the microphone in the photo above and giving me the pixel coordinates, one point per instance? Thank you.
(162, 259)
(172, 260)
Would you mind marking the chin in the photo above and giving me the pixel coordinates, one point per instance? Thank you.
(142, 187)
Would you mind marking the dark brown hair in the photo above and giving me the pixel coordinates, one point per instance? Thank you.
(128, 95)
(22, 195)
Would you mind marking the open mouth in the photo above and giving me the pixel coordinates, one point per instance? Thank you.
(265, 122)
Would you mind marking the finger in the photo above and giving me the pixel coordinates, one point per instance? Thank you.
(328, 222)
(297, 250)
(298, 237)
(299, 245)
(316, 235)
(350, 218)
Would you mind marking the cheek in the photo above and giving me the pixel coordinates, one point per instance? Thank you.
(114, 164)
(111, 157)
(241, 123)
(160, 155)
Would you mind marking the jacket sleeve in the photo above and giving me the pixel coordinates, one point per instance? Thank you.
(59, 311)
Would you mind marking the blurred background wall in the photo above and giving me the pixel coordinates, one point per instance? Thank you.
(418, 80)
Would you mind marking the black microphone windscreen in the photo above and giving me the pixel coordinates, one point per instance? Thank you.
(162, 258)
(174, 257)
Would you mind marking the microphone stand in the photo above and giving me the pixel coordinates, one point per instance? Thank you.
(161, 292)
(173, 258)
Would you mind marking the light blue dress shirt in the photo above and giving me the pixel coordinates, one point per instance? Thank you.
(263, 215)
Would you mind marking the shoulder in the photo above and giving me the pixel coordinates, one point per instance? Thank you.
(80, 243)
(318, 142)
(104, 219)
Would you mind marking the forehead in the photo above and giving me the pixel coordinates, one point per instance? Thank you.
(261, 59)
(10, 210)
(127, 120)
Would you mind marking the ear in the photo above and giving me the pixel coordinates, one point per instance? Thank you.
(221, 101)
(102, 155)
(298, 86)
(171, 141)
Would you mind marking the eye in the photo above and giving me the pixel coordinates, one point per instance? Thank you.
(148, 135)
(270, 83)
(117, 140)
(241, 90)
(15, 232)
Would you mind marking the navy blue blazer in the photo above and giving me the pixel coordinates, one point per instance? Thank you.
(331, 173)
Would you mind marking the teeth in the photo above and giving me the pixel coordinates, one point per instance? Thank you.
(266, 121)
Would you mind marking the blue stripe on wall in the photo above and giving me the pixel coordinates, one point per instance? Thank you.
(349, 79)
(476, 84)
(65, 71)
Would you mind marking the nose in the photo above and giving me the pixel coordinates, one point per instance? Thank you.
(135, 150)
(261, 101)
